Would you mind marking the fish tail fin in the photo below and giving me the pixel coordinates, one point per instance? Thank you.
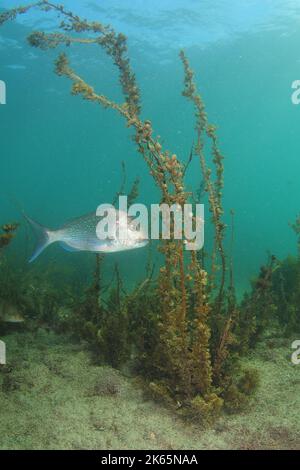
(43, 235)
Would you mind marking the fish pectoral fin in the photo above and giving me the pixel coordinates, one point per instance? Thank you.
(67, 247)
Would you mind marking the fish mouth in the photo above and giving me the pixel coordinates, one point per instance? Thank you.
(143, 242)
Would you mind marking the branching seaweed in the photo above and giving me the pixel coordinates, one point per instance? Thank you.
(8, 233)
(173, 323)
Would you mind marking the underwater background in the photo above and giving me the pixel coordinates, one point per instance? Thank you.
(61, 157)
(152, 348)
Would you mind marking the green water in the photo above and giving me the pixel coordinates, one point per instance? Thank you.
(104, 366)
(61, 157)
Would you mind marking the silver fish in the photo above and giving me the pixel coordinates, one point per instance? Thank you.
(80, 235)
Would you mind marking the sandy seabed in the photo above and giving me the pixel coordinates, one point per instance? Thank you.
(53, 397)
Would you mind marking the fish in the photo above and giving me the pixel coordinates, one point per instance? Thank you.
(9, 313)
(80, 234)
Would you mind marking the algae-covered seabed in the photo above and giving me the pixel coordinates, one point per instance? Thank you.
(53, 397)
(51, 393)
